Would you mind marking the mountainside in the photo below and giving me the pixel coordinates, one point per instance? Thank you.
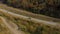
(15, 21)
(46, 7)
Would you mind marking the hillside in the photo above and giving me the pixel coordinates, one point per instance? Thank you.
(29, 14)
(19, 21)
(3, 28)
(46, 7)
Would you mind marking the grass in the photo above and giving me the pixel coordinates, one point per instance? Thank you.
(35, 28)
(30, 27)
(3, 28)
(26, 13)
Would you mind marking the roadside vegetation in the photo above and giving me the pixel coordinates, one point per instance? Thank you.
(27, 13)
(30, 27)
(35, 6)
(46, 7)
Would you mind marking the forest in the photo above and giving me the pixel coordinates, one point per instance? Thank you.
(46, 7)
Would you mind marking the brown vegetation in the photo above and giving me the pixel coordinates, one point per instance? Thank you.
(46, 7)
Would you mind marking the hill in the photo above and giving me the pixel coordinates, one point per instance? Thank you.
(46, 7)
(20, 21)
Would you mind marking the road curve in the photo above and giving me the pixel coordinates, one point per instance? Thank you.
(28, 18)
(14, 31)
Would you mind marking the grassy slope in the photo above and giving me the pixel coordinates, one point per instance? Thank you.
(22, 12)
(30, 27)
(3, 28)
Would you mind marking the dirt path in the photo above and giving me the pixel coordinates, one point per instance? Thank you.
(14, 31)
(28, 18)
(29, 14)
(26, 13)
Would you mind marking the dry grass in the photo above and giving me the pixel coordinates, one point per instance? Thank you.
(3, 28)
(26, 13)
(30, 27)
(27, 26)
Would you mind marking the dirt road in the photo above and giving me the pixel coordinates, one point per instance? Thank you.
(27, 13)
(28, 18)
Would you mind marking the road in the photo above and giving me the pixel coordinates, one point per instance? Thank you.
(5, 12)
(14, 31)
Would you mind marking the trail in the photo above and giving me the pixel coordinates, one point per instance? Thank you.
(14, 31)
(28, 18)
